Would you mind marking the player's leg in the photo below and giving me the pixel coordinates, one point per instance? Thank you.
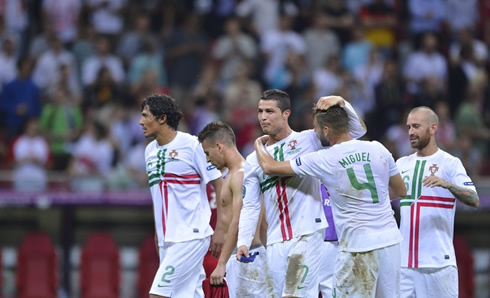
(443, 282)
(409, 282)
(277, 256)
(388, 284)
(303, 266)
(247, 279)
(327, 266)
(356, 274)
(181, 273)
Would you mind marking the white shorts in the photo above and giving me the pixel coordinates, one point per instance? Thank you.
(293, 266)
(181, 271)
(373, 273)
(247, 279)
(327, 266)
(429, 282)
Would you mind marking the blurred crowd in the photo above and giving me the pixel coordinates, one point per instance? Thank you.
(74, 72)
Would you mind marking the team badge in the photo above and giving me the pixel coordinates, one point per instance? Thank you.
(433, 169)
(173, 154)
(292, 145)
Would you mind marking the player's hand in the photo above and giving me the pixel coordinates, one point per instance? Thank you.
(217, 242)
(263, 139)
(242, 251)
(327, 101)
(217, 275)
(433, 181)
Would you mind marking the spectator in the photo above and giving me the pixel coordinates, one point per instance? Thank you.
(369, 75)
(148, 60)
(264, 15)
(84, 47)
(105, 91)
(20, 99)
(102, 59)
(426, 16)
(47, 67)
(240, 102)
(277, 45)
(469, 155)
(316, 37)
(134, 42)
(465, 37)
(61, 123)
(40, 42)
(469, 120)
(380, 21)
(390, 99)
(355, 54)
(424, 64)
(107, 16)
(339, 19)
(185, 54)
(31, 154)
(328, 79)
(462, 15)
(64, 16)
(8, 61)
(446, 133)
(93, 154)
(15, 17)
(233, 49)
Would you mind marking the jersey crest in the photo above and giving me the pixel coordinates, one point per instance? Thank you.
(433, 169)
(173, 154)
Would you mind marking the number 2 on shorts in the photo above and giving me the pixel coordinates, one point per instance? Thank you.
(169, 270)
(370, 185)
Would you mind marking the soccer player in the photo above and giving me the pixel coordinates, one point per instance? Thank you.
(294, 211)
(178, 174)
(243, 279)
(434, 180)
(358, 176)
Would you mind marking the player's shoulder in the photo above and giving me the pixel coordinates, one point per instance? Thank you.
(407, 158)
(150, 147)
(251, 159)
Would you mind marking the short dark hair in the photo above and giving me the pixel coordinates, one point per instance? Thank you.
(215, 131)
(162, 104)
(281, 97)
(334, 117)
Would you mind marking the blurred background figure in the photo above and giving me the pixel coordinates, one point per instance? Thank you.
(93, 154)
(31, 156)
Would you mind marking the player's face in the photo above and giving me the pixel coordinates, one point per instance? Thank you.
(271, 119)
(320, 133)
(149, 123)
(418, 130)
(213, 154)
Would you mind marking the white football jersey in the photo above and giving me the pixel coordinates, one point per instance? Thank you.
(356, 174)
(293, 205)
(178, 174)
(427, 214)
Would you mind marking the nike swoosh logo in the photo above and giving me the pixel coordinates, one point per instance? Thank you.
(299, 288)
(162, 286)
(403, 172)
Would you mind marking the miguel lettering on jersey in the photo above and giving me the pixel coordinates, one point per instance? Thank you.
(352, 158)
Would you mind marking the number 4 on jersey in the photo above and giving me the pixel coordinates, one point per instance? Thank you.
(369, 185)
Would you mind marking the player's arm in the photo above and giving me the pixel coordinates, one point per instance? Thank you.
(467, 196)
(249, 215)
(270, 166)
(219, 232)
(396, 187)
(263, 226)
(236, 186)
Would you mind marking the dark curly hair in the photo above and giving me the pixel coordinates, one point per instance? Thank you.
(161, 104)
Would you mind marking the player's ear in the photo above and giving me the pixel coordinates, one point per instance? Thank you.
(219, 146)
(162, 119)
(286, 113)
